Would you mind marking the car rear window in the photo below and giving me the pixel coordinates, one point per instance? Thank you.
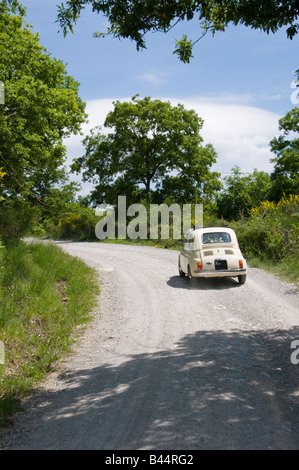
(216, 237)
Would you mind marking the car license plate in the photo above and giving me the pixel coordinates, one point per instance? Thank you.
(220, 264)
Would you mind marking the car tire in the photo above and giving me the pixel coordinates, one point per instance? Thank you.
(181, 273)
(242, 279)
(192, 280)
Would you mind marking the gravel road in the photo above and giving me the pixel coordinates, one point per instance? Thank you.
(164, 366)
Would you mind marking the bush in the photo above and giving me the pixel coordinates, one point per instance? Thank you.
(75, 226)
(17, 218)
(262, 241)
(272, 231)
(76, 223)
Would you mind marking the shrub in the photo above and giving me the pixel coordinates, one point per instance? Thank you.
(272, 231)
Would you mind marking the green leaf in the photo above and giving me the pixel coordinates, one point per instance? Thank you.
(184, 49)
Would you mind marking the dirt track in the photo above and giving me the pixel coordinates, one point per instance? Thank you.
(164, 366)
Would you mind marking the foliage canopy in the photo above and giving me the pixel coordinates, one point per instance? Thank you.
(152, 142)
(242, 192)
(285, 176)
(41, 108)
(131, 19)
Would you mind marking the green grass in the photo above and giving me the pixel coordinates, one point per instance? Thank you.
(287, 269)
(44, 295)
(167, 243)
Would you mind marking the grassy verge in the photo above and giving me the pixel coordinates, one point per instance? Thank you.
(44, 295)
(287, 269)
(167, 244)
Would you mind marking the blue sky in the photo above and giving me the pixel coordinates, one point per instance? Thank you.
(239, 81)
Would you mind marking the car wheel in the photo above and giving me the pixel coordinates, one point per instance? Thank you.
(182, 274)
(192, 280)
(242, 279)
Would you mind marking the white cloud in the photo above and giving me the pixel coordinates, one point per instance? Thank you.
(240, 133)
(243, 99)
(152, 78)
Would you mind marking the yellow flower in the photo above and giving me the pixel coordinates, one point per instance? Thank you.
(2, 173)
(287, 204)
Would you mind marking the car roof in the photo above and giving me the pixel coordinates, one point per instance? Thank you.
(213, 228)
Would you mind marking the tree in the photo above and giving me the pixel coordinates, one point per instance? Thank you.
(242, 192)
(132, 19)
(59, 200)
(193, 183)
(285, 176)
(150, 142)
(13, 5)
(2, 174)
(41, 108)
(66, 215)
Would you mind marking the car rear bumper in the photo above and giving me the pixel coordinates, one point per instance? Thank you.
(220, 273)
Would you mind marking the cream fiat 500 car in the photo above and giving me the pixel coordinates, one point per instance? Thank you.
(211, 252)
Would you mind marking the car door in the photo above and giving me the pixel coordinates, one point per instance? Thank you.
(182, 257)
(188, 250)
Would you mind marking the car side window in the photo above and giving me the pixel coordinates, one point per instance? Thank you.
(191, 242)
(186, 243)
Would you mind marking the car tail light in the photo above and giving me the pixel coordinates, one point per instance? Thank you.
(199, 264)
(240, 263)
